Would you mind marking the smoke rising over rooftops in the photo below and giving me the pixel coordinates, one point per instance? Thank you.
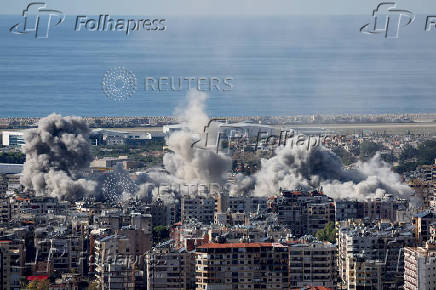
(294, 166)
(56, 153)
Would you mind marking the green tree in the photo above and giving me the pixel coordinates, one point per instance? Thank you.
(411, 157)
(161, 234)
(346, 157)
(15, 157)
(408, 152)
(328, 233)
(368, 149)
(38, 285)
(93, 286)
(426, 152)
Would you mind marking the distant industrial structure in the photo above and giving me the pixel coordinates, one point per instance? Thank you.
(12, 138)
(112, 137)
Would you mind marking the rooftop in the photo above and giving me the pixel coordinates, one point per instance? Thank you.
(238, 245)
(7, 168)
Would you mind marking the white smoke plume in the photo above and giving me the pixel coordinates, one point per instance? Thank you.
(191, 164)
(295, 166)
(57, 152)
(242, 185)
(187, 165)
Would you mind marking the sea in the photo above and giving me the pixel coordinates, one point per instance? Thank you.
(287, 65)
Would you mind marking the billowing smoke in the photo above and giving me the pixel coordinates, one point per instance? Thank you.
(295, 166)
(191, 164)
(57, 152)
(242, 185)
(157, 184)
(188, 168)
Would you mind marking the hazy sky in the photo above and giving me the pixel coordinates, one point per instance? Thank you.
(219, 7)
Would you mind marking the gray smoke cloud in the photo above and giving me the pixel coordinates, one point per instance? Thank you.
(57, 152)
(295, 166)
(187, 165)
(192, 164)
(242, 185)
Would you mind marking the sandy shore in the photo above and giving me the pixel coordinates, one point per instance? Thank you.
(390, 128)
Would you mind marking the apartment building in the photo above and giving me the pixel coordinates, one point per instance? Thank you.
(5, 264)
(312, 263)
(5, 210)
(240, 204)
(348, 209)
(229, 218)
(117, 264)
(420, 267)
(422, 222)
(3, 184)
(303, 212)
(364, 273)
(364, 249)
(165, 213)
(170, 268)
(372, 209)
(198, 208)
(242, 266)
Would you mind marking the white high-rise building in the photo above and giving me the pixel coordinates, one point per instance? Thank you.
(420, 267)
(12, 138)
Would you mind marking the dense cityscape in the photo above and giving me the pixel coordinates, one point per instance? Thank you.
(217, 145)
(202, 203)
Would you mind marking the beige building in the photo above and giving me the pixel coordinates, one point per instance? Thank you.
(240, 204)
(312, 264)
(422, 222)
(198, 208)
(303, 212)
(119, 262)
(363, 273)
(170, 268)
(229, 218)
(373, 255)
(420, 267)
(242, 265)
